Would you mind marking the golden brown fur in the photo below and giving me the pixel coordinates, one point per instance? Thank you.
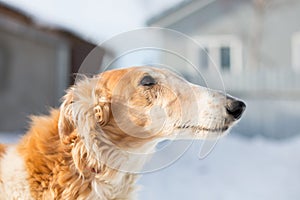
(2, 150)
(51, 168)
(47, 159)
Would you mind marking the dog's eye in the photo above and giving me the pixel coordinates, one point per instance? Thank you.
(147, 81)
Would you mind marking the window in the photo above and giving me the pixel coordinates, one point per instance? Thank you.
(225, 58)
(224, 51)
(296, 51)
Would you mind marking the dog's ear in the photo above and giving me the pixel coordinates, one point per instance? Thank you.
(66, 124)
(102, 107)
(84, 106)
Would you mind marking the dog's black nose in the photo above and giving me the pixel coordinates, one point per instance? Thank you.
(234, 107)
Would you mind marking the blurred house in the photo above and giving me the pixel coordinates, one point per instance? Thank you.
(255, 44)
(36, 66)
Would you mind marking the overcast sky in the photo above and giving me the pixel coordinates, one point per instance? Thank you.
(95, 19)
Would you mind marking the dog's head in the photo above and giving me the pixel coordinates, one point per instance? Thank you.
(141, 106)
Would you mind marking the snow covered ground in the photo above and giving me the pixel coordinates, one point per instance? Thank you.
(236, 169)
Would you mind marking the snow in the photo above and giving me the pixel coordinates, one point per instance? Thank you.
(9, 138)
(94, 19)
(237, 168)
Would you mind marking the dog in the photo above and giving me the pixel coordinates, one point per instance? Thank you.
(85, 149)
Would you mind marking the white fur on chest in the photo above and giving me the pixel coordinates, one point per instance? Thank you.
(14, 176)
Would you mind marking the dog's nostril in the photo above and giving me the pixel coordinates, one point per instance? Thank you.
(235, 108)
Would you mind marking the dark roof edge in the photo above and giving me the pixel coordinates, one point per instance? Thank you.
(27, 19)
(183, 9)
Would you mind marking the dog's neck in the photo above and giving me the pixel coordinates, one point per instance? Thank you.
(113, 169)
(110, 171)
(67, 169)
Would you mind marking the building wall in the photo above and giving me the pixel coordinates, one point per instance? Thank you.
(34, 74)
(265, 36)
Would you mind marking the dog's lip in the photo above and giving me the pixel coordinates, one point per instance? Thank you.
(198, 128)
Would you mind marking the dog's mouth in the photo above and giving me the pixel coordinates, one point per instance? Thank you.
(196, 128)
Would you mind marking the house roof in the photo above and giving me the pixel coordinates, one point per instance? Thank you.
(178, 12)
(25, 18)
